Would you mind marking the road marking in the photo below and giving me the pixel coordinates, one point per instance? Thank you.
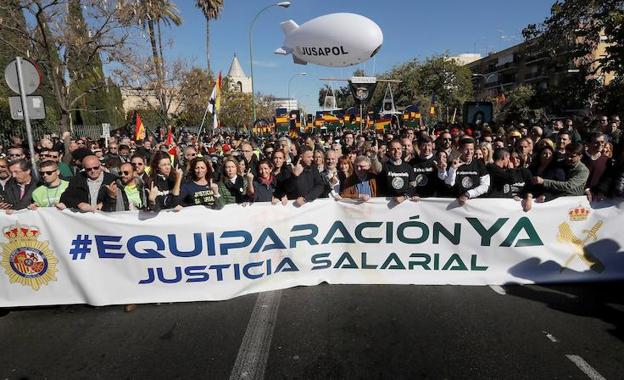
(498, 289)
(254, 350)
(585, 367)
(550, 336)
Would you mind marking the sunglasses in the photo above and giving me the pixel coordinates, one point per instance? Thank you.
(137, 164)
(47, 172)
(126, 173)
(92, 169)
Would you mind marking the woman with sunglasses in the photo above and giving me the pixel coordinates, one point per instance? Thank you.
(165, 180)
(200, 189)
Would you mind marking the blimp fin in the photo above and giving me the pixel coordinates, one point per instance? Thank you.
(289, 26)
(299, 61)
(282, 51)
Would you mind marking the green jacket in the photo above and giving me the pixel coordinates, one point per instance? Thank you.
(574, 185)
(233, 192)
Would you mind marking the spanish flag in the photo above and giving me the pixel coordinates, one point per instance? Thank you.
(139, 130)
(169, 140)
(432, 108)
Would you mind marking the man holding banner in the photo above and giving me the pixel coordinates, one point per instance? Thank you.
(468, 178)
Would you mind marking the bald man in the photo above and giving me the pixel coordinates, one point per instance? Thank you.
(87, 190)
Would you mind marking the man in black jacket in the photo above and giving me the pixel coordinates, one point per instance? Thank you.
(308, 183)
(18, 190)
(87, 190)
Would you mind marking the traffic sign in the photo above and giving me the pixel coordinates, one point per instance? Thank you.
(36, 107)
(31, 76)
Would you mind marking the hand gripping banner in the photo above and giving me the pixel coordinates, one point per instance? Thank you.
(53, 257)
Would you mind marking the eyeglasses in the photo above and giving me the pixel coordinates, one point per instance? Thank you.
(137, 164)
(47, 172)
(92, 169)
(50, 155)
(126, 173)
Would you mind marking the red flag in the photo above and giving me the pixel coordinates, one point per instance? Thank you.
(139, 131)
(169, 140)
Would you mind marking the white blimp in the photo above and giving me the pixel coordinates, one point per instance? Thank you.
(337, 39)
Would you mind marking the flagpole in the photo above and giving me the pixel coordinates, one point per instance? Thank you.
(201, 127)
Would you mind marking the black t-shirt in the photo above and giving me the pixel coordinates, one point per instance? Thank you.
(508, 183)
(521, 180)
(500, 181)
(193, 194)
(397, 179)
(426, 177)
(468, 176)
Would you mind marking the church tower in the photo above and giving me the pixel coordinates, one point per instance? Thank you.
(238, 80)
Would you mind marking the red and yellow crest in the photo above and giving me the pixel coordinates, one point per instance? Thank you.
(25, 259)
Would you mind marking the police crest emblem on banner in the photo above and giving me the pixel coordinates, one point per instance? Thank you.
(578, 241)
(27, 260)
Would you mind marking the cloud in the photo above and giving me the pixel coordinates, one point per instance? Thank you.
(267, 64)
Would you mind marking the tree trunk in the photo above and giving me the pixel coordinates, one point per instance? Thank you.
(157, 66)
(208, 47)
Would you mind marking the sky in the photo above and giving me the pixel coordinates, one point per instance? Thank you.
(411, 29)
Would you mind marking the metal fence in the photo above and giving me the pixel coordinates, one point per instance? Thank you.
(92, 131)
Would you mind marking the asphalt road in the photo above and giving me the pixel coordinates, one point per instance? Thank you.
(331, 332)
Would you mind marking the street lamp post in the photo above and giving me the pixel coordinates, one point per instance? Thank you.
(283, 4)
(289, 81)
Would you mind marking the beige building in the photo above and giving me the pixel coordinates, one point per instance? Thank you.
(138, 98)
(522, 65)
(466, 58)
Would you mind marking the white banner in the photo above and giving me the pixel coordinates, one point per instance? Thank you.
(198, 254)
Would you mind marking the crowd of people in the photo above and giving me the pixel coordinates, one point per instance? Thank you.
(534, 163)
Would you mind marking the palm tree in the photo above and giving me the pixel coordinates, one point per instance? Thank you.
(211, 10)
(150, 14)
